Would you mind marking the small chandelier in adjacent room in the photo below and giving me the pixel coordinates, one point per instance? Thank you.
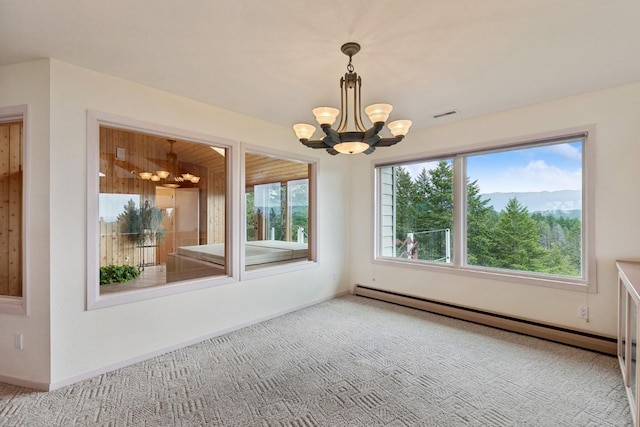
(351, 136)
(173, 179)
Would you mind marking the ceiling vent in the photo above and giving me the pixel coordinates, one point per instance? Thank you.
(446, 113)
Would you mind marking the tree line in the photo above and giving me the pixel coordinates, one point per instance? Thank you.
(513, 238)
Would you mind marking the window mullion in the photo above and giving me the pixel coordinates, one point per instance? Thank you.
(459, 211)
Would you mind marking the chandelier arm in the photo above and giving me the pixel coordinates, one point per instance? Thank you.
(332, 137)
(357, 104)
(313, 144)
(388, 142)
(344, 108)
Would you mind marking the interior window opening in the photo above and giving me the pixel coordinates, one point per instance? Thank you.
(11, 209)
(160, 201)
(277, 207)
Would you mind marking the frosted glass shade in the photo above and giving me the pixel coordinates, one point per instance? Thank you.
(326, 115)
(187, 176)
(351, 147)
(155, 178)
(163, 174)
(303, 130)
(195, 179)
(399, 127)
(145, 175)
(378, 112)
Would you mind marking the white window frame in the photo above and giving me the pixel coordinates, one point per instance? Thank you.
(586, 283)
(97, 119)
(312, 260)
(8, 304)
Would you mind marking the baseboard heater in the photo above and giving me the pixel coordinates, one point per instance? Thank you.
(601, 344)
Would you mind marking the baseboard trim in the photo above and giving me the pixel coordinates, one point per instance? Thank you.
(598, 343)
(21, 382)
(149, 355)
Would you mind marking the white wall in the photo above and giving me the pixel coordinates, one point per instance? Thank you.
(616, 115)
(85, 342)
(29, 84)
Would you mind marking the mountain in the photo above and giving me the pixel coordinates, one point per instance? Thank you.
(542, 201)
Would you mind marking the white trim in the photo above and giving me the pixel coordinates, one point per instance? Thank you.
(20, 305)
(586, 283)
(146, 356)
(313, 230)
(21, 382)
(94, 121)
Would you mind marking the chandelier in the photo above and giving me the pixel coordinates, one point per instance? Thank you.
(351, 136)
(173, 180)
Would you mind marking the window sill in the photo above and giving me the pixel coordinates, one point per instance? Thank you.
(277, 269)
(13, 305)
(578, 284)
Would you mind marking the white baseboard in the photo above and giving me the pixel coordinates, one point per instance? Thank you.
(21, 382)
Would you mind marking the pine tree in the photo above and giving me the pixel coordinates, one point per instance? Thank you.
(405, 209)
(516, 239)
(481, 220)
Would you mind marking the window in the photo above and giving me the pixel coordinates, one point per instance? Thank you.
(12, 271)
(161, 216)
(278, 211)
(517, 209)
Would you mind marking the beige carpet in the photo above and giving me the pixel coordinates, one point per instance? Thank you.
(347, 362)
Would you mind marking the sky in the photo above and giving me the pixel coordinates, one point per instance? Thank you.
(547, 168)
(111, 205)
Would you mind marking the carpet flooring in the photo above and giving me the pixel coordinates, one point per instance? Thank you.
(351, 361)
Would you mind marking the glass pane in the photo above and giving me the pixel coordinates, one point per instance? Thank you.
(161, 203)
(633, 319)
(277, 211)
(11, 209)
(524, 209)
(622, 320)
(417, 211)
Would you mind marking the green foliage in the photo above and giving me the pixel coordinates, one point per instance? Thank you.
(548, 242)
(142, 225)
(118, 274)
(515, 242)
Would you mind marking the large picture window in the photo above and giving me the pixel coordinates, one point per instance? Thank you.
(518, 209)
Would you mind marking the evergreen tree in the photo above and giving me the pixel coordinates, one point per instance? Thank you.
(481, 220)
(420, 202)
(405, 210)
(438, 216)
(516, 239)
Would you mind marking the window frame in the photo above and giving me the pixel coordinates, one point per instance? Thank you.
(312, 260)
(586, 283)
(94, 300)
(11, 304)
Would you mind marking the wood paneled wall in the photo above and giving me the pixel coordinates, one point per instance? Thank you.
(265, 170)
(11, 189)
(148, 153)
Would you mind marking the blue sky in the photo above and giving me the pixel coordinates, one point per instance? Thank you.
(547, 168)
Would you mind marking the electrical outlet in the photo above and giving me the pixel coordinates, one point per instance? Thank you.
(583, 312)
(18, 341)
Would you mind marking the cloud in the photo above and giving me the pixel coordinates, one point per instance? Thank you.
(567, 151)
(537, 175)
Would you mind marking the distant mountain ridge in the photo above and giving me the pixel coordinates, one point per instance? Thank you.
(542, 201)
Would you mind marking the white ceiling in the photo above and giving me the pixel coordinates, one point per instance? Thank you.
(277, 59)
